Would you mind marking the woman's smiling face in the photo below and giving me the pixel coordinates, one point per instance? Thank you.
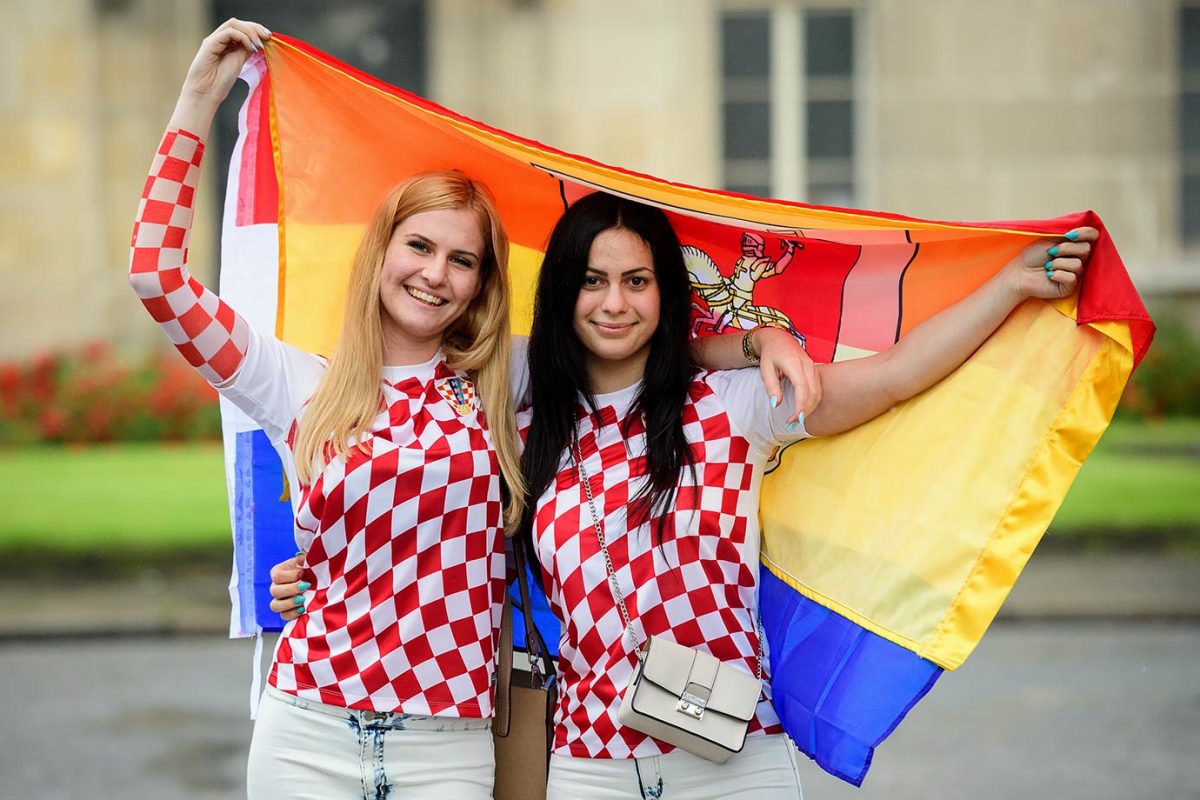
(617, 310)
(431, 273)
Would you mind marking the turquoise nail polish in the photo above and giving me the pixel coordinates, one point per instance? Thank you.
(1048, 266)
(299, 553)
(298, 600)
(1053, 252)
(301, 611)
(305, 586)
(1071, 235)
(791, 426)
(800, 418)
(774, 401)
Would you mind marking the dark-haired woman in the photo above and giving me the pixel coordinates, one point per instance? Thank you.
(626, 440)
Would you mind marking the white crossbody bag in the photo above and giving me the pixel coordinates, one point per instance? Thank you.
(678, 694)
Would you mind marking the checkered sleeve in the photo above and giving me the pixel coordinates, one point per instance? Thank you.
(210, 335)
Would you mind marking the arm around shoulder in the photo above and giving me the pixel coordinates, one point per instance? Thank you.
(778, 355)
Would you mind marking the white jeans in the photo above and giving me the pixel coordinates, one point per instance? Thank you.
(764, 770)
(302, 749)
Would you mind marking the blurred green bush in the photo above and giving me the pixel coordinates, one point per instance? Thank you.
(1167, 382)
(90, 395)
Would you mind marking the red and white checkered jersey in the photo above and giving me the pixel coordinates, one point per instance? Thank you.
(404, 546)
(404, 538)
(209, 334)
(700, 588)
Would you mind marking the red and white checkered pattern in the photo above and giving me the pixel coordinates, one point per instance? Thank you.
(699, 588)
(407, 560)
(210, 335)
(404, 540)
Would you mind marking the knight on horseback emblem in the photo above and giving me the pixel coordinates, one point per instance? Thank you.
(730, 299)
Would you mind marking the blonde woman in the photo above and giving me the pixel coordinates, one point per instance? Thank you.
(384, 684)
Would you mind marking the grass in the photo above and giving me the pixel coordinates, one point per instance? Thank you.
(1142, 480)
(168, 502)
(136, 498)
(1169, 433)
(1130, 491)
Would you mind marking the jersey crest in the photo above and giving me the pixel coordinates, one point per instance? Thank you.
(459, 393)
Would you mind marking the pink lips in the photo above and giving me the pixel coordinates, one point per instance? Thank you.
(609, 329)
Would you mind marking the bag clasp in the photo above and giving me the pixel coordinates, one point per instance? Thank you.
(691, 703)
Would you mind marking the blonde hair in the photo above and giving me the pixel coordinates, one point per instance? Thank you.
(348, 398)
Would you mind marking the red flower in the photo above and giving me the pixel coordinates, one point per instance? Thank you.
(97, 351)
(52, 424)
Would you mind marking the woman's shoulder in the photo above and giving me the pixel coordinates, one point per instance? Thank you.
(723, 382)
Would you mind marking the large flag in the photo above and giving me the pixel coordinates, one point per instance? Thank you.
(888, 550)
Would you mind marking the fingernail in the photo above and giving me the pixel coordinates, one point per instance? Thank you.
(800, 418)
(299, 553)
(791, 426)
(298, 600)
(1071, 235)
(301, 611)
(305, 586)
(1053, 252)
(774, 401)
(1048, 266)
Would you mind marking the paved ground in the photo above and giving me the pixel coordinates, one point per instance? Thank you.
(1089, 687)
(1042, 710)
(1050, 710)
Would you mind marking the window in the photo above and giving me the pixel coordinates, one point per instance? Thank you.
(788, 103)
(1189, 123)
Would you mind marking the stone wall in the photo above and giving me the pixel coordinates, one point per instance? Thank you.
(86, 88)
(968, 109)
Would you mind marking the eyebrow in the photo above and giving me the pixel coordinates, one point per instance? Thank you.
(624, 274)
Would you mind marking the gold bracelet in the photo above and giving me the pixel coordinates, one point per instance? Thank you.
(748, 347)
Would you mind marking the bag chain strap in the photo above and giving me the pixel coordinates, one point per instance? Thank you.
(612, 573)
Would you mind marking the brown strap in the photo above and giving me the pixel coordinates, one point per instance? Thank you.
(534, 645)
(503, 720)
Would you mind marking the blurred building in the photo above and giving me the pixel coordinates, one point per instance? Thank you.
(949, 109)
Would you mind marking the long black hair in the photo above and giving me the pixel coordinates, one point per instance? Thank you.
(557, 363)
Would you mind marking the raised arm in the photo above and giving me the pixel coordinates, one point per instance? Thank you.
(207, 332)
(856, 391)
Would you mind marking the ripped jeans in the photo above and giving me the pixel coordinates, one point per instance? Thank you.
(302, 749)
(766, 769)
